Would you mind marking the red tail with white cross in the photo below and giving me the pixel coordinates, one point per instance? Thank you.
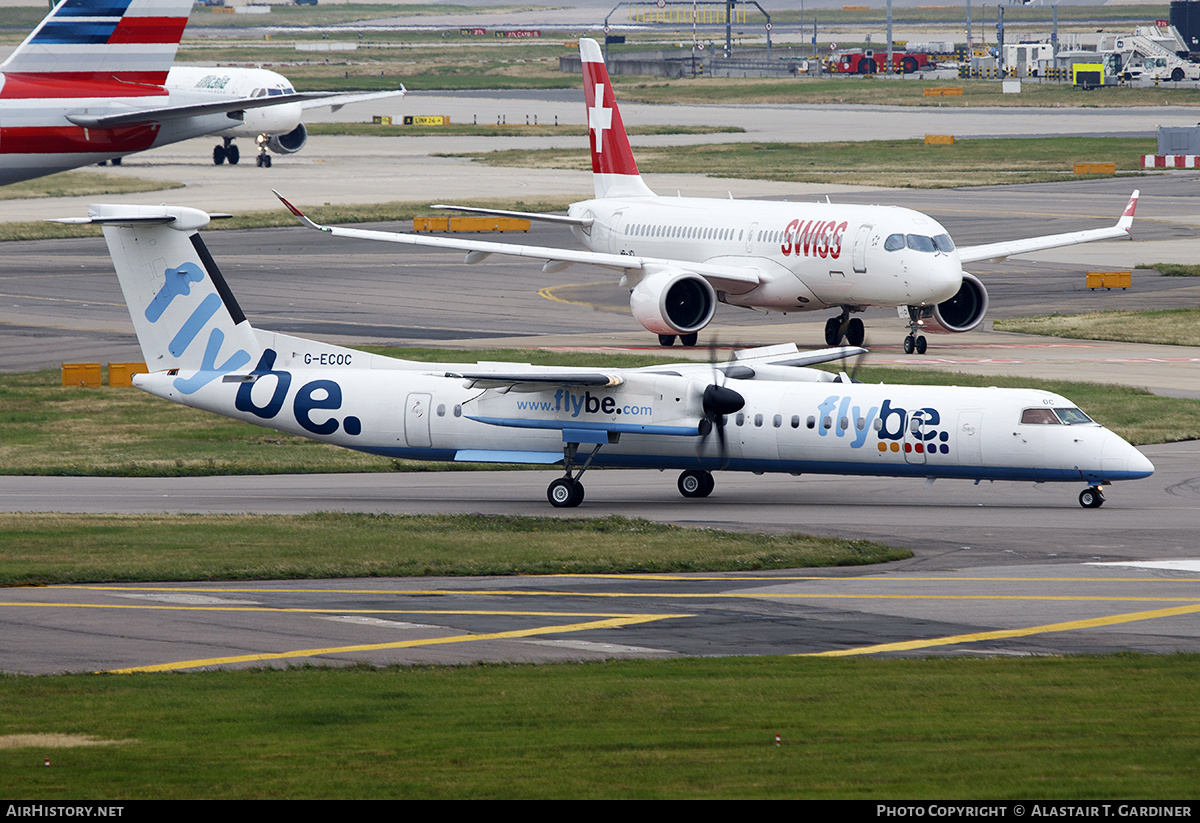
(613, 167)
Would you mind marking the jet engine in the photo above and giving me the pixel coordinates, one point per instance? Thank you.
(965, 310)
(289, 143)
(673, 301)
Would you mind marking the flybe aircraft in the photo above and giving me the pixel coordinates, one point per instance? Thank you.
(762, 411)
(93, 83)
(680, 256)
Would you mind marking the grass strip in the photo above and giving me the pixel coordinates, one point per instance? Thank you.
(1172, 327)
(898, 163)
(491, 130)
(82, 184)
(272, 218)
(1117, 728)
(1172, 269)
(77, 548)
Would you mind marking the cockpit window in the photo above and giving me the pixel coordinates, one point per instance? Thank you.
(943, 243)
(919, 242)
(1041, 417)
(894, 242)
(1072, 416)
(274, 92)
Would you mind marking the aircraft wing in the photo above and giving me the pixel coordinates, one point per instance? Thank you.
(731, 278)
(998, 251)
(537, 378)
(136, 116)
(336, 101)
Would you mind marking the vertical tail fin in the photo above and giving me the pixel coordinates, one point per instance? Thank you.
(185, 316)
(613, 169)
(101, 41)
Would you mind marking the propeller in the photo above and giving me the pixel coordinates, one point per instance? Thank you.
(717, 402)
(851, 376)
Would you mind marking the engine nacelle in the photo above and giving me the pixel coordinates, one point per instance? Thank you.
(289, 143)
(965, 310)
(673, 301)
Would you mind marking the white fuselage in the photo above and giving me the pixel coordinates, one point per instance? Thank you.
(414, 410)
(39, 139)
(236, 84)
(809, 255)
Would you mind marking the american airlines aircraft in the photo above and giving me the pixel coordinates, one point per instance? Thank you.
(680, 256)
(93, 83)
(764, 411)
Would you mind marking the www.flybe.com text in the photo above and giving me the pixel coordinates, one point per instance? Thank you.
(587, 403)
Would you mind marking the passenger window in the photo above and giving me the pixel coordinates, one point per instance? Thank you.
(778, 420)
(758, 420)
(796, 421)
(811, 422)
(740, 419)
(441, 410)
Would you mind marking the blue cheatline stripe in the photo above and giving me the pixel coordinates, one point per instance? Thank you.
(75, 33)
(625, 428)
(500, 456)
(93, 8)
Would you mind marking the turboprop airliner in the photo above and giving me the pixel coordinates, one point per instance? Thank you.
(763, 411)
(680, 256)
(93, 83)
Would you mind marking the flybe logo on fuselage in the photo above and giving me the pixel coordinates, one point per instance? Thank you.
(814, 238)
(893, 427)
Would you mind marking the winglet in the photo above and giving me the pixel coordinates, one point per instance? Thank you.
(299, 214)
(1126, 221)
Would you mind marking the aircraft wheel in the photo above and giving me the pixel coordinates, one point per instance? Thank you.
(910, 343)
(696, 484)
(218, 155)
(921, 344)
(266, 161)
(688, 339)
(565, 493)
(1091, 498)
(666, 340)
(856, 333)
(833, 329)
(233, 155)
(116, 161)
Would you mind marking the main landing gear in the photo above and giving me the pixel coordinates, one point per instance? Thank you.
(567, 492)
(1091, 497)
(684, 339)
(842, 326)
(696, 483)
(226, 151)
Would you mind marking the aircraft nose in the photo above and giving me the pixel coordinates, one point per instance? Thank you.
(945, 276)
(1133, 464)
